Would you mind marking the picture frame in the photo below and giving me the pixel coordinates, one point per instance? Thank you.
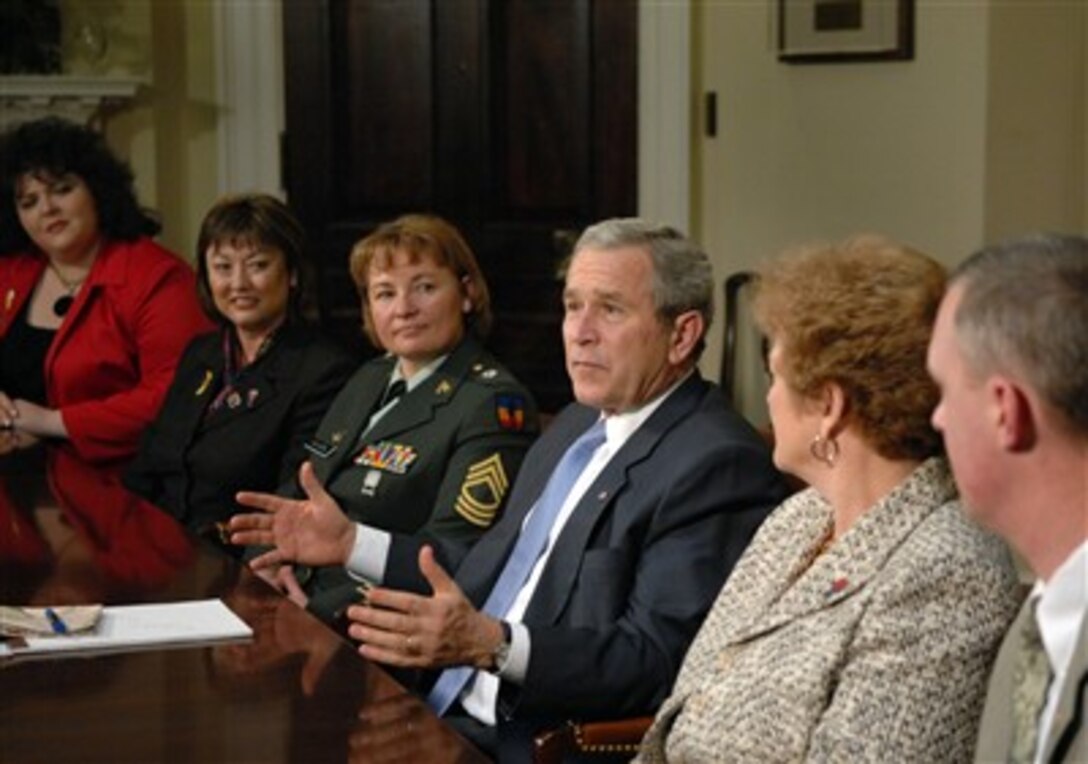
(833, 31)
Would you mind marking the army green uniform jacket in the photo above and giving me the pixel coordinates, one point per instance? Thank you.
(442, 460)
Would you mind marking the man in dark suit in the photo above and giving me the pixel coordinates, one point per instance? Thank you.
(1010, 354)
(639, 537)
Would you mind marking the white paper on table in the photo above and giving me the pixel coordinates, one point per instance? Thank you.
(124, 628)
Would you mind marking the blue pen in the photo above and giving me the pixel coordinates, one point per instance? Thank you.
(58, 624)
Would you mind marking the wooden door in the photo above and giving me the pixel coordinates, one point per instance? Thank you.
(514, 119)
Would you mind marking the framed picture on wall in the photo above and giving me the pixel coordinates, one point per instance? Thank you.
(818, 31)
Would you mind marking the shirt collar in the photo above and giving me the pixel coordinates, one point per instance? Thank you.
(619, 427)
(1063, 602)
(411, 383)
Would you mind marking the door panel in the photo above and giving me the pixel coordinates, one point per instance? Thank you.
(515, 120)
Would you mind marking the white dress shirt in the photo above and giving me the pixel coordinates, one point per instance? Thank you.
(1063, 603)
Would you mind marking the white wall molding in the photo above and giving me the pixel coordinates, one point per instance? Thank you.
(664, 111)
(249, 61)
(81, 99)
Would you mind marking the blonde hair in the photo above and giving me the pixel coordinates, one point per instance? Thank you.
(421, 236)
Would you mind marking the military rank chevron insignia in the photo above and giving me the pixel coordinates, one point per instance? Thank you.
(482, 492)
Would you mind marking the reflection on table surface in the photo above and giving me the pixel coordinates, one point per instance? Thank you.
(71, 534)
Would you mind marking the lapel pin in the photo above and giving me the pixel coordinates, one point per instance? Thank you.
(204, 383)
(602, 496)
(337, 437)
(251, 397)
(838, 585)
(234, 400)
(444, 388)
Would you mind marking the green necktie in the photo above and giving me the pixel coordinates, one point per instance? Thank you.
(1031, 679)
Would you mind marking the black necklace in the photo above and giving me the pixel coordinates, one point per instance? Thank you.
(63, 304)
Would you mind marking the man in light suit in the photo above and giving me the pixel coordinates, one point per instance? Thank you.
(643, 538)
(1010, 353)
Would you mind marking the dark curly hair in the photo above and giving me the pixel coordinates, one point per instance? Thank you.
(51, 148)
(859, 314)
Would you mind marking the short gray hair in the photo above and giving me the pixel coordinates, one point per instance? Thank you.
(683, 279)
(1024, 309)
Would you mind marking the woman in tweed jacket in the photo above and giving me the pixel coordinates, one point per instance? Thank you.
(861, 623)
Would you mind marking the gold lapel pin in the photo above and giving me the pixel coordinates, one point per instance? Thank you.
(204, 383)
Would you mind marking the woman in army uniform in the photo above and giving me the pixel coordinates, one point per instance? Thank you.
(429, 437)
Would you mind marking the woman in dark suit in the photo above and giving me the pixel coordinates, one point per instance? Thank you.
(430, 436)
(247, 397)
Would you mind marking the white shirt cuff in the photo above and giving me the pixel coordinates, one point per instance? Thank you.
(369, 554)
(517, 665)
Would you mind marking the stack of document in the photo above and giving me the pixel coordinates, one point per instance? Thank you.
(132, 627)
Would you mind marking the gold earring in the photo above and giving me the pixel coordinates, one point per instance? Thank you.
(824, 449)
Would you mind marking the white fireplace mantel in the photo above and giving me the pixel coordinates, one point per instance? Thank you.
(80, 98)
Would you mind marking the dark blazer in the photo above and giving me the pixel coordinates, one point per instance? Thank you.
(464, 432)
(639, 562)
(193, 466)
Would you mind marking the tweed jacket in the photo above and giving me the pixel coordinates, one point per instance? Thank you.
(876, 650)
(1067, 739)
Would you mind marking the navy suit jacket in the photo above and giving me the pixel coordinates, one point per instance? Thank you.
(638, 564)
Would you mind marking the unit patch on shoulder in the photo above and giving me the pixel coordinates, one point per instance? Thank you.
(482, 492)
(510, 411)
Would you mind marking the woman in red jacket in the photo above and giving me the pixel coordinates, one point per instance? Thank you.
(93, 313)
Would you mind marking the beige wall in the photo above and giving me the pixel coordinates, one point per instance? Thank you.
(168, 134)
(981, 135)
(1035, 158)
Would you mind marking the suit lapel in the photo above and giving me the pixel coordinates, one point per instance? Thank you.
(860, 554)
(421, 404)
(198, 387)
(1070, 711)
(105, 270)
(562, 568)
(481, 567)
(259, 384)
(364, 390)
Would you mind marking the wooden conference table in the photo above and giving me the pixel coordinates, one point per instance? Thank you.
(70, 534)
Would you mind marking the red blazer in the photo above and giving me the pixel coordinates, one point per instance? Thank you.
(113, 357)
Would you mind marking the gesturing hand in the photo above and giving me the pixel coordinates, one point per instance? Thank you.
(312, 531)
(404, 629)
